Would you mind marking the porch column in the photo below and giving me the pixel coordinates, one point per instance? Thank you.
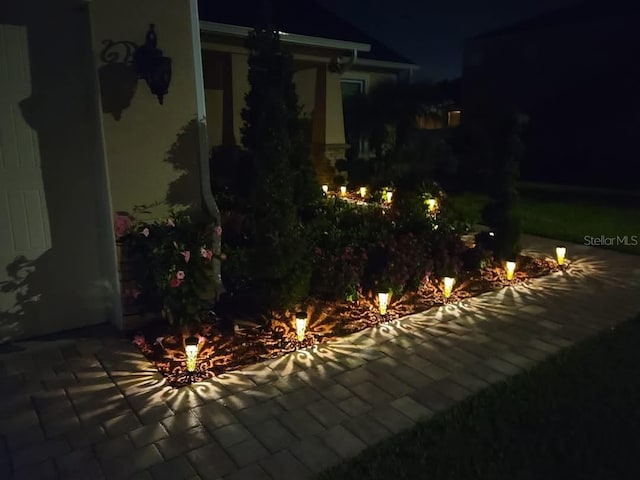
(328, 139)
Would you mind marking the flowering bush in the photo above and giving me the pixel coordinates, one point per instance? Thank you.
(338, 273)
(397, 263)
(171, 261)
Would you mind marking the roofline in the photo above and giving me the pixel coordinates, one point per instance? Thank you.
(292, 38)
(369, 62)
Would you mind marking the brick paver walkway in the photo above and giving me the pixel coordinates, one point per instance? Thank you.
(95, 408)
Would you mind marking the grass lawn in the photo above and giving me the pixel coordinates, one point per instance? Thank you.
(568, 217)
(574, 416)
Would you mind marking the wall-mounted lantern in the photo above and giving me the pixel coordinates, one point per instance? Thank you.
(153, 66)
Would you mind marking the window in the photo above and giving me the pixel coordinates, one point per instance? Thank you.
(352, 88)
(453, 118)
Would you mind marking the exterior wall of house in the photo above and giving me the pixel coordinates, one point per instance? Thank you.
(56, 228)
(371, 79)
(305, 81)
(578, 85)
(319, 95)
(149, 146)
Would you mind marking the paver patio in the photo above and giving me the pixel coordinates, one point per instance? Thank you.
(93, 407)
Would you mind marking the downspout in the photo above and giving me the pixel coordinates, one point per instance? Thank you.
(209, 203)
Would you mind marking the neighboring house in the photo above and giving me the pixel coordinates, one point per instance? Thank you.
(332, 60)
(574, 73)
(81, 138)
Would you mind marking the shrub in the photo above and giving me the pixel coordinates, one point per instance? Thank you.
(171, 261)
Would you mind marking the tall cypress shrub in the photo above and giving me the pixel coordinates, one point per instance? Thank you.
(501, 212)
(279, 161)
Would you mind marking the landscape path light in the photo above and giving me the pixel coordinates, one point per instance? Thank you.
(448, 286)
(510, 267)
(301, 325)
(389, 196)
(383, 302)
(191, 349)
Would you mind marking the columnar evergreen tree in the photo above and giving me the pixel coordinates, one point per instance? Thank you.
(500, 213)
(280, 164)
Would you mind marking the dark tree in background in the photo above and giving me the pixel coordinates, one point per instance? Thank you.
(279, 161)
(500, 214)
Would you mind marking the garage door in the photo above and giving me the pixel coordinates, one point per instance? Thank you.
(24, 224)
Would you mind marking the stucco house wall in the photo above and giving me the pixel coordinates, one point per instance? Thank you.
(152, 149)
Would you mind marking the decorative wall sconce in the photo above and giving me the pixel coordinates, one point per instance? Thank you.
(301, 325)
(153, 66)
(191, 349)
(510, 268)
(448, 286)
(383, 302)
(561, 253)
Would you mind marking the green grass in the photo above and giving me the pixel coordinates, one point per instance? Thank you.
(574, 416)
(568, 217)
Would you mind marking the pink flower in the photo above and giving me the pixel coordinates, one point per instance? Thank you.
(139, 340)
(206, 253)
(122, 224)
(218, 230)
(187, 255)
(170, 222)
(175, 282)
(180, 275)
(145, 232)
(132, 293)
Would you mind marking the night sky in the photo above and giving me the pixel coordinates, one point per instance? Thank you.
(432, 32)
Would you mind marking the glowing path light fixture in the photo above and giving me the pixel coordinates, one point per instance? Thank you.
(343, 190)
(325, 188)
(432, 205)
(510, 268)
(363, 192)
(388, 196)
(561, 253)
(383, 302)
(191, 349)
(448, 283)
(301, 325)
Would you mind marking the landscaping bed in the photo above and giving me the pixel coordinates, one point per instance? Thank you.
(270, 336)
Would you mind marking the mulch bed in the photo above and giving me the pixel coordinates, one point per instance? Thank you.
(266, 337)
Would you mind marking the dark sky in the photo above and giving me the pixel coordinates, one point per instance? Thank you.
(432, 32)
